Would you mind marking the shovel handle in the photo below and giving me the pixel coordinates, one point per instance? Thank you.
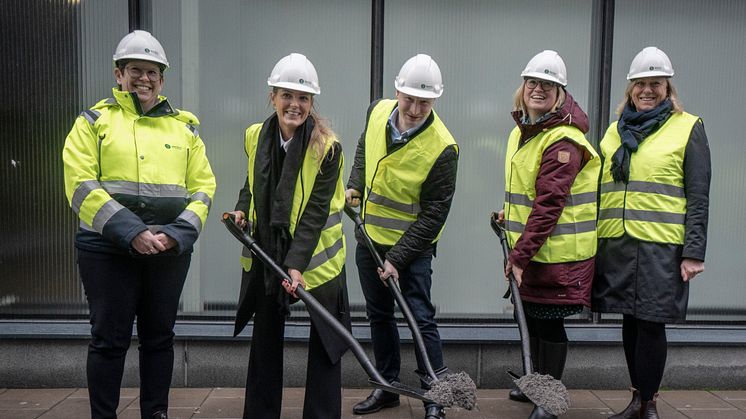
(396, 291)
(520, 314)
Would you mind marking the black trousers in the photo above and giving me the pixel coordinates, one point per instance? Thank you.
(323, 399)
(120, 288)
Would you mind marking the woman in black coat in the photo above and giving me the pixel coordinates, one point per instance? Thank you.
(291, 203)
(652, 224)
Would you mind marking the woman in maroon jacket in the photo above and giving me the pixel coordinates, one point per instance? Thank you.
(551, 174)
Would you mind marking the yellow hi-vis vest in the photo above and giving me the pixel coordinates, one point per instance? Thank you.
(574, 236)
(329, 255)
(393, 181)
(652, 206)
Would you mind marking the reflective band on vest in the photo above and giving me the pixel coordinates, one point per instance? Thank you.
(393, 182)
(329, 254)
(652, 206)
(574, 236)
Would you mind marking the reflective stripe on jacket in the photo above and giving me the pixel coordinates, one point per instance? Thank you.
(393, 181)
(126, 172)
(329, 254)
(574, 236)
(652, 206)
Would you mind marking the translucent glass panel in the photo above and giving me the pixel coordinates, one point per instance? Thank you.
(221, 55)
(705, 41)
(481, 48)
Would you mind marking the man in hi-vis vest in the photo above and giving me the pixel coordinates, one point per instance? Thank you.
(404, 175)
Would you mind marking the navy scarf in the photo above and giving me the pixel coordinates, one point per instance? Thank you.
(633, 128)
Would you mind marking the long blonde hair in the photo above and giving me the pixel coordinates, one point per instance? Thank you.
(322, 131)
(520, 105)
(678, 107)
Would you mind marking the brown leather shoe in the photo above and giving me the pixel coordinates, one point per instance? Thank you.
(377, 400)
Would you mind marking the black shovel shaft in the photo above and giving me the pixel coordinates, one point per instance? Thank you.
(396, 291)
(520, 315)
(313, 305)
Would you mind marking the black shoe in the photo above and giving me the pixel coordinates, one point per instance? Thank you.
(435, 412)
(377, 400)
(540, 413)
(160, 415)
(518, 396)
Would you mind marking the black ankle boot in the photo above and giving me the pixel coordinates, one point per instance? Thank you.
(649, 410)
(540, 413)
(632, 411)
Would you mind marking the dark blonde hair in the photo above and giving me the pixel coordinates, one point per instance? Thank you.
(322, 131)
(520, 105)
(678, 107)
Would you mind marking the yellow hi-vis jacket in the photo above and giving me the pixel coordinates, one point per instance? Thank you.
(393, 182)
(329, 254)
(652, 206)
(574, 236)
(126, 172)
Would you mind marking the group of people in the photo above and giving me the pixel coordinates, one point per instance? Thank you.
(621, 230)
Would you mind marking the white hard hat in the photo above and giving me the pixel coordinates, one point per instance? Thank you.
(420, 77)
(547, 65)
(295, 72)
(650, 62)
(140, 45)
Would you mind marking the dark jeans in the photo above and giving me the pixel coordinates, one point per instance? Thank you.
(415, 282)
(120, 288)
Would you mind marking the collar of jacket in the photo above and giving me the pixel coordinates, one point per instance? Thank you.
(129, 102)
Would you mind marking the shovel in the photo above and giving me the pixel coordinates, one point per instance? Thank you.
(460, 386)
(543, 390)
(313, 306)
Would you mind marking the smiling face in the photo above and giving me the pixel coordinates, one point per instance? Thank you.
(141, 77)
(292, 107)
(647, 93)
(412, 110)
(539, 97)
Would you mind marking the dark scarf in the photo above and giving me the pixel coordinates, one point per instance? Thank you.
(275, 175)
(633, 128)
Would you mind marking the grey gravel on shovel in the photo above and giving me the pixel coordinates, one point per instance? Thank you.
(454, 389)
(545, 392)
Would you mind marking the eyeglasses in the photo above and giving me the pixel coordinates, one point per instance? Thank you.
(545, 84)
(136, 73)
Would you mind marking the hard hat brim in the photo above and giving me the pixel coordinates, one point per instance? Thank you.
(656, 73)
(141, 57)
(424, 94)
(294, 86)
(543, 76)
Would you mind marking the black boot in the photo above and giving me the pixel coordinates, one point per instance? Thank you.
(649, 410)
(553, 357)
(632, 411)
(540, 413)
(516, 394)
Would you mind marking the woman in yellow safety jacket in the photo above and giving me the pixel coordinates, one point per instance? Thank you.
(551, 178)
(137, 176)
(652, 224)
(292, 204)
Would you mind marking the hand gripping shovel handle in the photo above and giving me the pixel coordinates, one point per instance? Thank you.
(313, 305)
(396, 291)
(520, 315)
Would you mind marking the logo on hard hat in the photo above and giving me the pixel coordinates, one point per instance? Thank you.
(651, 68)
(301, 81)
(147, 50)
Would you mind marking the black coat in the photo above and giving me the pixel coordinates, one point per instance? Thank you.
(643, 279)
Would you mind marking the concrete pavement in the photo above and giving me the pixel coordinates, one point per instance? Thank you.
(223, 403)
